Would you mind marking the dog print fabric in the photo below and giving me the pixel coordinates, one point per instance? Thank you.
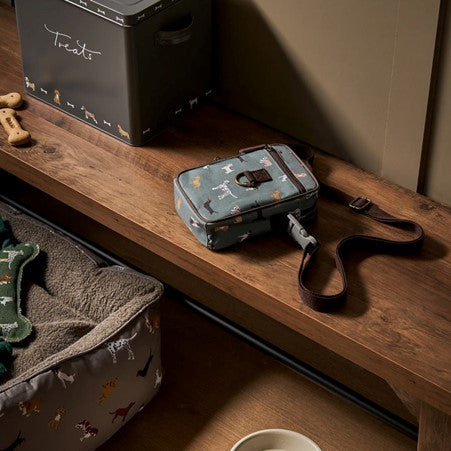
(14, 326)
(82, 402)
(222, 206)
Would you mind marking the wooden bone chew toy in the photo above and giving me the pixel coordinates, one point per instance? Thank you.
(11, 100)
(17, 135)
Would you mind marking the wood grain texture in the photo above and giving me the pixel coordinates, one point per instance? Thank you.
(396, 322)
(324, 360)
(217, 389)
(435, 430)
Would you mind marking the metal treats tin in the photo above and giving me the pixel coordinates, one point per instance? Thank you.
(126, 67)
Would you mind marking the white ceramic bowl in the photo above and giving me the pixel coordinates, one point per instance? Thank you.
(275, 440)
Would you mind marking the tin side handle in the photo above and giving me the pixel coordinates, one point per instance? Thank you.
(177, 33)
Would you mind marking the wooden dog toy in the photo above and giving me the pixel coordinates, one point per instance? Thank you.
(11, 100)
(17, 135)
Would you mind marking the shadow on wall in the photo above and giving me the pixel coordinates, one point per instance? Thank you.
(245, 40)
(434, 178)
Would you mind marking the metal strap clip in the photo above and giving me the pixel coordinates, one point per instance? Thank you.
(299, 234)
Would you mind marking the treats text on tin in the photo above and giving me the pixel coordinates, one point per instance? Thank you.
(64, 41)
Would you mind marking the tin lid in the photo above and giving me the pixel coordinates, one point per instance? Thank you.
(123, 12)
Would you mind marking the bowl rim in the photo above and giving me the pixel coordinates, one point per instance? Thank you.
(272, 431)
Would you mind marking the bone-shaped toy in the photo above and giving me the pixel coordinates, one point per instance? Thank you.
(17, 135)
(11, 100)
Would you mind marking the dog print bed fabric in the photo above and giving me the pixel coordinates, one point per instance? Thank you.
(79, 394)
(81, 402)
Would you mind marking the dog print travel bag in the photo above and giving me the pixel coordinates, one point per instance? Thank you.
(231, 200)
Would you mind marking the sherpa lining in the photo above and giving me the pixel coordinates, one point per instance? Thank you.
(71, 297)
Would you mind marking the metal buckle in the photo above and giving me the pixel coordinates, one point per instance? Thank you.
(248, 184)
(299, 234)
(360, 203)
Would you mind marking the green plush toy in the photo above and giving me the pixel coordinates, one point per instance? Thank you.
(6, 352)
(14, 326)
(5, 234)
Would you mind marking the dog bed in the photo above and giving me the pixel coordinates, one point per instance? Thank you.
(92, 360)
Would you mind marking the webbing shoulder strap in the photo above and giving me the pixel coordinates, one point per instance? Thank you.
(360, 205)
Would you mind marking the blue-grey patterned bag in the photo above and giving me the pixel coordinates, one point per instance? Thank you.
(230, 200)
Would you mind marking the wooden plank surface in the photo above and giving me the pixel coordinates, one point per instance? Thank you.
(217, 389)
(435, 429)
(396, 322)
(327, 362)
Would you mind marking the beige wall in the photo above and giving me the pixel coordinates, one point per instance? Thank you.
(438, 162)
(351, 76)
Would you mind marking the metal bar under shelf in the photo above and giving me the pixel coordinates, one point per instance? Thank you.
(308, 371)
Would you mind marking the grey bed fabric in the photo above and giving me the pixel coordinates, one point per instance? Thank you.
(67, 291)
(90, 320)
